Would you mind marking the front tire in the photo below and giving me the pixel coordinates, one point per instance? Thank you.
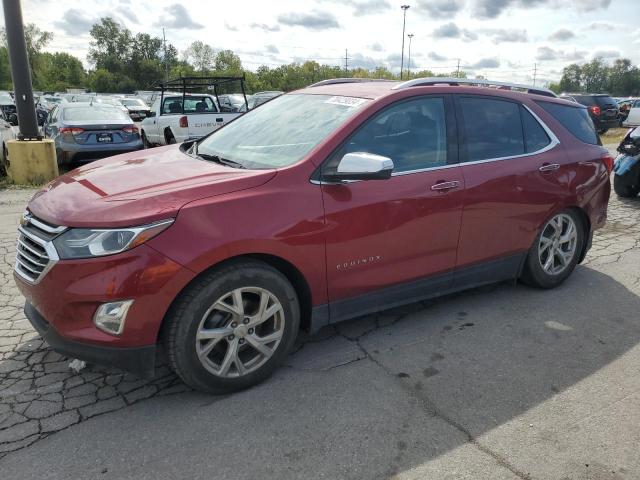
(232, 327)
(556, 251)
(624, 188)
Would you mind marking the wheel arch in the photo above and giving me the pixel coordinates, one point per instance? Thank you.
(166, 130)
(586, 222)
(286, 268)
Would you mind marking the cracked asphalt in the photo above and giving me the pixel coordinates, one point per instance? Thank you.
(502, 382)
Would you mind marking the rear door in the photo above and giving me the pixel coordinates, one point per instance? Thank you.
(515, 175)
(395, 232)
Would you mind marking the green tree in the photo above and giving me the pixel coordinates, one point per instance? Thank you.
(228, 63)
(200, 55)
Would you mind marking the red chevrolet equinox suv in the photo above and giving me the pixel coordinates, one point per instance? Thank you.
(341, 199)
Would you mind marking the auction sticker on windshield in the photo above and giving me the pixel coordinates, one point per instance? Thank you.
(345, 101)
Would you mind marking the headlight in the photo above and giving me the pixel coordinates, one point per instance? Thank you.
(96, 242)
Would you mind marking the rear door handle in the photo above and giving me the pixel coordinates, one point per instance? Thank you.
(445, 185)
(549, 167)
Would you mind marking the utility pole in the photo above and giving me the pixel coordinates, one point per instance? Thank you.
(409, 60)
(166, 63)
(458, 70)
(535, 73)
(404, 22)
(20, 70)
(346, 62)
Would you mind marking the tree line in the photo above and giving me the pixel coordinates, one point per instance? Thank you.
(620, 79)
(123, 61)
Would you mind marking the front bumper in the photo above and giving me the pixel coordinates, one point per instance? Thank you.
(71, 291)
(137, 360)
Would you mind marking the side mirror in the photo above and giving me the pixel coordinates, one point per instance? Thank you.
(151, 113)
(361, 166)
(13, 119)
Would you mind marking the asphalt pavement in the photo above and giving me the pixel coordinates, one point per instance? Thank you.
(502, 382)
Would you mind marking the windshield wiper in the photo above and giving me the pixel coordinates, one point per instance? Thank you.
(193, 150)
(220, 160)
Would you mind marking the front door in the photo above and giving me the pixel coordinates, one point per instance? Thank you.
(386, 237)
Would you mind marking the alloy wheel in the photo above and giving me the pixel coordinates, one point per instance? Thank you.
(240, 332)
(557, 245)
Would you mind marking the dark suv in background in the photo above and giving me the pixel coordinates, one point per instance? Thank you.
(602, 108)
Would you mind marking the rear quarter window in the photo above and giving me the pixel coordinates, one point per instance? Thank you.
(574, 119)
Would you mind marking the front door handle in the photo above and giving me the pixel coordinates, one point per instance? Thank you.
(549, 167)
(445, 185)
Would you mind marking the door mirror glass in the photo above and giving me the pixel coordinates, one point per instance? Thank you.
(362, 166)
(151, 114)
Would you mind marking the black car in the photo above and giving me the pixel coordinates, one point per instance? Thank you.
(602, 108)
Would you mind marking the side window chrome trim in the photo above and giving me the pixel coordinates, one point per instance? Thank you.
(554, 141)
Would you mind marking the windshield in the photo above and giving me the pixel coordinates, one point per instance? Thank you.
(132, 102)
(104, 113)
(52, 99)
(109, 101)
(280, 132)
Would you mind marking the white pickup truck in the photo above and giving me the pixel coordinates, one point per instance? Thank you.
(177, 118)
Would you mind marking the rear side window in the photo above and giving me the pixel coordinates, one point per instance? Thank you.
(492, 128)
(576, 120)
(535, 138)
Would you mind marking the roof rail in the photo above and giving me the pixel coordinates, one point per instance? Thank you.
(421, 82)
(332, 81)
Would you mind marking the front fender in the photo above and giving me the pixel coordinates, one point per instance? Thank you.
(624, 163)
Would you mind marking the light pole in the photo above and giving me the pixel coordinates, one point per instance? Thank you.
(404, 21)
(409, 60)
(20, 70)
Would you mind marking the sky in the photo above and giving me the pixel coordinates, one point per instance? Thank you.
(504, 40)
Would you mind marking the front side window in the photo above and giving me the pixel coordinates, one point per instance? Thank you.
(413, 134)
(280, 132)
(492, 128)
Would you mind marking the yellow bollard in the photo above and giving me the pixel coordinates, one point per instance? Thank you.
(31, 162)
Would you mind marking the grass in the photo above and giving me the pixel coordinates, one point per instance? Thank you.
(614, 135)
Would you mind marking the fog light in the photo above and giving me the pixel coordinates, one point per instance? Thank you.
(110, 316)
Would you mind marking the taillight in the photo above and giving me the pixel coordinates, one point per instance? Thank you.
(608, 161)
(595, 110)
(130, 129)
(72, 130)
(184, 122)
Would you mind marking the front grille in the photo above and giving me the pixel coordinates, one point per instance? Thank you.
(35, 253)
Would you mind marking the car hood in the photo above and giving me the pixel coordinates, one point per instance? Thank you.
(137, 188)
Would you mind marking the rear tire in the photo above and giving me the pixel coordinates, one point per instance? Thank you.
(556, 250)
(145, 142)
(232, 327)
(624, 189)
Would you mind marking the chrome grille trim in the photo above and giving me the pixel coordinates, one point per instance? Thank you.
(35, 253)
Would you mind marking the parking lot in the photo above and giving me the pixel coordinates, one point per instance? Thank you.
(501, 382)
